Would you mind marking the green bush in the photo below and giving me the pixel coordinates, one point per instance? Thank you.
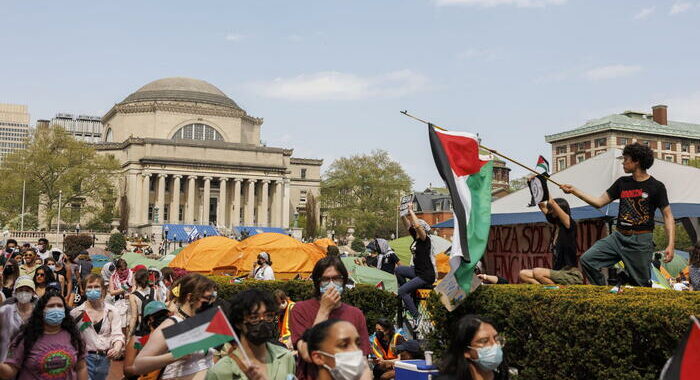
(74, 244)
(116, 243)
(357, 245)
(577, 332)
(373, 302)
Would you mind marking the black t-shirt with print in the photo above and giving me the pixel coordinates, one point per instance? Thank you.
(422, 260)
(638, 202)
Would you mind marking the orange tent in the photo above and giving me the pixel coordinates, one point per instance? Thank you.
(289, 256)
(201, 255)
(324, 243)
(442, 261)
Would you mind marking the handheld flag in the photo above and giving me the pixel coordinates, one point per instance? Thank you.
(539, 191)
(467, 174)
(544, 164)
(199, 333)
(85, 321)
(141, 341)
(685, 362)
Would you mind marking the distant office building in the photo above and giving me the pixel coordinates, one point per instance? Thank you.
(82, 127)
(14, 128)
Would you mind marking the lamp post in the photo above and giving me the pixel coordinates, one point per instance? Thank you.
(58, 225)
(24, 191)
(167, 240)
(155, 214)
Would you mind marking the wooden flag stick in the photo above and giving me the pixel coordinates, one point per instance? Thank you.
(486, 148)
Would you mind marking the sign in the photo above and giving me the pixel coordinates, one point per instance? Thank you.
(538, 190)
(451, 294)
(405, 201)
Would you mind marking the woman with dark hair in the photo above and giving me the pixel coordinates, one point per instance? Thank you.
(384, 345)
(565, 269)
(154, 314)
(120, 286)
(694, 267)
(330, 278)
(193, 293)
(48, 345)
(253, 316)
(140, 297)
(475, 352)
(9, 275)
(334, 349)
(51, 263)
(43, 276)
(263, 270)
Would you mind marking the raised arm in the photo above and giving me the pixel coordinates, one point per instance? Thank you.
(420, 233)
(670, 227)
(596, 202)
(559, 213)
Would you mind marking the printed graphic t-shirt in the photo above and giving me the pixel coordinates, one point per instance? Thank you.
(53, 357)
(638, 202)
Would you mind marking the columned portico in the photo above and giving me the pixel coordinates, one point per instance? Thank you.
(263, 210)
(276, 210)
(205, 200)
(249, 215)
(175, 195)
(160, 199)
(145, 197)
(221, 206)
(236, 214)
(189, 207)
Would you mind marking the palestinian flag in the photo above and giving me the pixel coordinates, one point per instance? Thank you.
(380, 285)
(199, 333)
(85, 321)
(140, 341)
(685, 363)
(544, 164)
(468, 175)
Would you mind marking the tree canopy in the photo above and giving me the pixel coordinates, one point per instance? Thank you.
(54, 163)
(364, 191)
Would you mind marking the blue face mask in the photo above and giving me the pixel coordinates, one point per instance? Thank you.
(490, 357)
(54, 316)
(338, 287)
(93, 294)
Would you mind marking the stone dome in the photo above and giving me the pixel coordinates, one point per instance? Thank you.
(181, 89)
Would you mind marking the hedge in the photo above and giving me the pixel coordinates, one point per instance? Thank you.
(374, 303)
(577, 332)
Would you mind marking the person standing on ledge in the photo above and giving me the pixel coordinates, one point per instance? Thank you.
(640, 195)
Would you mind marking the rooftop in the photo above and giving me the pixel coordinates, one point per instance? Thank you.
(181, 89)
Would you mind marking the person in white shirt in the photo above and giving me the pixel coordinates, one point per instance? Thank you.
(263, 270)
(14, 315)
(101, 328)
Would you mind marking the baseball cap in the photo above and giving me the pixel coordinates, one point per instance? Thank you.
(24, 281)
(153, 307)
(411, 346)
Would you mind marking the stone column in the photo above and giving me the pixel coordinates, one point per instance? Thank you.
(276, 210)
(221, 206)
(189, 207)
(160, 198)
(263, 210)
(285, 203)
(175, 196)
(145, 196)
(205, 200)
(236, 217)
(250, 203)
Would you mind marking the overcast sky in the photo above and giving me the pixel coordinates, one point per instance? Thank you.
(330, 77)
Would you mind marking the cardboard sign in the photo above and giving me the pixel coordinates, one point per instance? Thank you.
(405, 201)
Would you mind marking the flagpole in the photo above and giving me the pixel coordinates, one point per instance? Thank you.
(486, 148)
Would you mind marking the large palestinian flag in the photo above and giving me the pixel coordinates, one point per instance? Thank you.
(199, 333)
(685, 363)
(468, 175)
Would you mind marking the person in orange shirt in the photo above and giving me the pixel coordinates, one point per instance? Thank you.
(384, 345)
(284, 311)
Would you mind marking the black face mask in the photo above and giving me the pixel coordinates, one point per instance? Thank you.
(379, 335)
(261, 332)
(205, 306)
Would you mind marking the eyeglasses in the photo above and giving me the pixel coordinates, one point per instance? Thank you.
(209, 298)
(334, 279)
(485, 342)
(256, 318)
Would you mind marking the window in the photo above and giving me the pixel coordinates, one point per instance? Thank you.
(669, 158)
(685, 161)
(561, 149)
(152, 184)
(561, 164)
(622, 141)
(303, 173)
(600, 152)
(645, 142)
(180, 213)
(150, 211)
(668, 145)
(197, 131)
(302, 197)
(580, 158)
(685, 148)
(108, 135)
(166, 213)
(578, 146)
(601, 142)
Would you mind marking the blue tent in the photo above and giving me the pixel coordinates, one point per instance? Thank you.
(188, 232)
(250, 230)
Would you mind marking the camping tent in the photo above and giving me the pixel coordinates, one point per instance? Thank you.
(324, 243)
(402, 247)
(362, 274)
(133, 259)
(289, 256)
(202, 255)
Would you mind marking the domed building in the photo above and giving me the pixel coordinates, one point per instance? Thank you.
(191, 155)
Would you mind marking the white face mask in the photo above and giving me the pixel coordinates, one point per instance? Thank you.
(348, 365)
(23, 297)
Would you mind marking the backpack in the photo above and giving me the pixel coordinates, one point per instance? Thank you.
(141, 323)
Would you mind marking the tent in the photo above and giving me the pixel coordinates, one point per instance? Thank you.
(98, 261)
(289, 256)
(188, 232)
(202, 255)
(133, 259)
(402, 247)
(249, 231)
(678, 265)
(93, 251)
(362, 274)
(324, 243)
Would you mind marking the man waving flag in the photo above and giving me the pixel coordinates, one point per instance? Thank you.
(467, 174)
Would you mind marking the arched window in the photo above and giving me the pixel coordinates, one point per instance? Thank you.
(108, 136)
(197, 131)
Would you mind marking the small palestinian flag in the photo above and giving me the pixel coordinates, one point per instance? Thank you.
(85, 321)
(208, 329)
(380, 285)
(685, 363)
(141, 341)
(544, 164)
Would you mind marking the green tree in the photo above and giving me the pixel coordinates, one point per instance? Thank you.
(694, 163)
(116, 243)
(682, 239)
(364, 191)
(311, 215)
(54, 163)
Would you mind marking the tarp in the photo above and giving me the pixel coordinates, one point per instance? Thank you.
(92, 251)
(362, 274)
(289, 256)
(133, 259)
(251, 230)
(678, 265)
(98, 261)
(402, 247)
(183, 232)
(324, 243)
(594, 176)
(202, 255)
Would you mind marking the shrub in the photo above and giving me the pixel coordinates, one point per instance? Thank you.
(357, 245)
(374, 303)
(74, 244)
(116, 243)
(577, 332)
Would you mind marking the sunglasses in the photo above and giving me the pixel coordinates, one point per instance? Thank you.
(40, 274)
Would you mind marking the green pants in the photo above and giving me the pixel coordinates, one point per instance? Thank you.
(635, 251)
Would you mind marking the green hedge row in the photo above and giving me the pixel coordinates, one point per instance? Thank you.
(577, 332)
(373, 302)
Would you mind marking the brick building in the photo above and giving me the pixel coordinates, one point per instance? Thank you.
(672, 141)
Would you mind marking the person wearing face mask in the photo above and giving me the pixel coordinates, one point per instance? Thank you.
(51, 263)
(10, 248)
(29, 266)
(254, 318)
(100, 327)
(48, 346)
(263, 268)
(154, 314)
(334, 349)
(384, 347)
(42, 249)
(475, 352)
(329, 277)
(284, 311)
(10, 273)
(193, 293)
(14, 315)
(120, 286)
